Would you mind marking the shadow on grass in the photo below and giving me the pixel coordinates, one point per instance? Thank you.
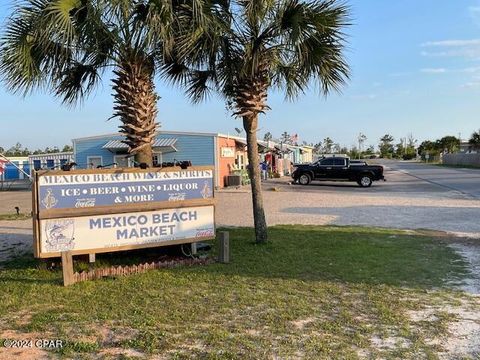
(305, 253)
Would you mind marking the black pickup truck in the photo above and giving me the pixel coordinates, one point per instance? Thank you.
(338, 168)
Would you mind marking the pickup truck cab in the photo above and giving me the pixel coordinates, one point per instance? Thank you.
(338, 168)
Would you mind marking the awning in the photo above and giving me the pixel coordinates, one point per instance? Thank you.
(263, 145)
(241, 142)
(115, 145)
(284, 148)
(164, 145)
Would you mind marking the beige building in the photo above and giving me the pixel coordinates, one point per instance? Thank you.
(307, 153)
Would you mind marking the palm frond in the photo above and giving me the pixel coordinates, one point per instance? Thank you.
(198, 86)
(77, 82)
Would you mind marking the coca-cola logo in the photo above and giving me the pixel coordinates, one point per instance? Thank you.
(83, 203)
(204, 233)
(177, 197)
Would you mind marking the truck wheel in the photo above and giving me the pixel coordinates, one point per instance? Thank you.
(304, 179)
(365, 181)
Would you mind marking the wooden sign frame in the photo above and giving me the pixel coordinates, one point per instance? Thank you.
(38, 214)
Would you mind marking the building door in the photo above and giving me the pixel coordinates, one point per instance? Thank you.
(157, 159)
(240, 161)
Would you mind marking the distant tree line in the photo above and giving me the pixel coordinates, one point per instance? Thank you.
(404, 149)
(19, 150)
(326, 146)
(445, 145)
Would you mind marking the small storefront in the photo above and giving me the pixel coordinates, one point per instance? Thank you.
(50, 161)
(228, 154)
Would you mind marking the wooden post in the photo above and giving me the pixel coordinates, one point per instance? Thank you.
(91, 261)
(194, 248)
(224, 255)
(67, 268)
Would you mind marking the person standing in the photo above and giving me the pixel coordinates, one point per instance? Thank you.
(264, 168)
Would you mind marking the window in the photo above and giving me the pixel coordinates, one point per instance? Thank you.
(327, 162)
(94, 161)
(339, 161)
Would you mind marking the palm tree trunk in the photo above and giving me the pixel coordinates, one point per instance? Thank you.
(135, 103)
(250, 124)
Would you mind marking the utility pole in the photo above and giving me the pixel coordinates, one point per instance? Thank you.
(361, 140)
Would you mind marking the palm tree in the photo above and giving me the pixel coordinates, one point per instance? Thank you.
(67, 46)
(252, 46)
(268, 136)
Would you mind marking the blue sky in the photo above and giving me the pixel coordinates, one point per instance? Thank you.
(415, 69)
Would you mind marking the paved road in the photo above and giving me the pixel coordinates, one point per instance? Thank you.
(465, 181)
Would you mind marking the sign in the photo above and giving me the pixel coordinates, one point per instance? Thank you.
(106, 210)
(105, 189)
(228, 152)
(103, 232)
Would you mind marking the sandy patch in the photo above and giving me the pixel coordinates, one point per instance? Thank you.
(463, 334)
(300, 324)
(464, 339)
(471, 254)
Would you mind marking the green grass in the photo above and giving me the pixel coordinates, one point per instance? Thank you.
(313, 292)
(15, 216)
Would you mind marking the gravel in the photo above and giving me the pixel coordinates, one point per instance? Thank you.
(402, 202)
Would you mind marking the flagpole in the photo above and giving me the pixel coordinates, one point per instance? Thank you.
(8, 160)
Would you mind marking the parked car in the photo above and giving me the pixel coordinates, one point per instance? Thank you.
(338, 168)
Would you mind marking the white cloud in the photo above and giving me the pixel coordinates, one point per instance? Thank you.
(468, 70)
(451, 43)
(467, 48)
(434, 71)
(471, 85)
(473, 69)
